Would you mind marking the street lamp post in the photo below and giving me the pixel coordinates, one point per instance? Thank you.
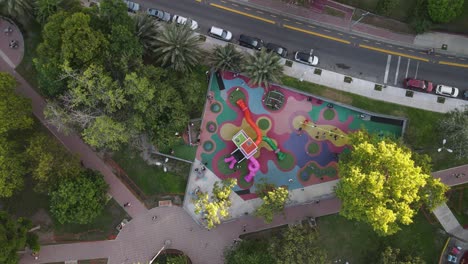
(167, 243)
(443, 147)
(362, 16)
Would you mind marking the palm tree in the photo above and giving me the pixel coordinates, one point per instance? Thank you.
(178, 47)
(146, 29)
(226, 58)
(263, 67)
(19, 9)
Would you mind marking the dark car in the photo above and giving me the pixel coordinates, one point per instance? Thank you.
(250, 42)
(159, 14)
(271, 47)
(418, 84)
(465, 95)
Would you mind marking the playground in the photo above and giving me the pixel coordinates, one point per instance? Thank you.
(277, 135)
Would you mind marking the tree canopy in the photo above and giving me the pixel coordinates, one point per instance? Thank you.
(274, 201)
(454, 128)
(263, 68)
(381, 185)
(443, 11)
(13, 237)
(79, 200)
(393, 256)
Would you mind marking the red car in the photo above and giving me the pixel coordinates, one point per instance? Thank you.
(418, 84)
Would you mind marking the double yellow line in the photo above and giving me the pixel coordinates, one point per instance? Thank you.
(393, 53)
(317, 34)
(243, 13)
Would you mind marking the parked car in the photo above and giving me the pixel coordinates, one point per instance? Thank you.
(159, 14)
(271, 47)
(465, 95)
(132, 6)
(183, 21)
(306, 58)
(447, 90)
(418, 84)
(220, 33)
(250, 42)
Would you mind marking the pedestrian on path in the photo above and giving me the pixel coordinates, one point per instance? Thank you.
(127, 204)
(244, 228)
(155, 218)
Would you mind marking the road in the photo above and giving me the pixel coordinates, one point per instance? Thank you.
(349, 58)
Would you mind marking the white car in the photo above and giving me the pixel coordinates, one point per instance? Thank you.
(306, 58)
(183, 20)
(447, 90)
(220, 33)
(132, 6)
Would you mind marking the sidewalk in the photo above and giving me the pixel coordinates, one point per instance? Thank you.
(457, 44)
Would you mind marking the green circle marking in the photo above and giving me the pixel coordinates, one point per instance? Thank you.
(215, 107)
(287, 163)
(313, 148)
(236, 95)
(208, 145)
(329, 114)
(263, 124)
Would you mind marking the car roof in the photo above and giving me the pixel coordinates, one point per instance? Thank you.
(446, 89)
(180, 19)
(303, 56)
(216, 30)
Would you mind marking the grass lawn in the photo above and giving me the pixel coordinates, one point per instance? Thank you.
(100, 229)
(151, 179)
(357, 243)
(32, 38)
(421, 127)
(458, 203)
(185, 152)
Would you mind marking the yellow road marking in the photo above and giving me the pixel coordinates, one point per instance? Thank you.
(462, 59)
(234, 4)
(390, 46)
(353, 37)
(451, 57)
(411, 50)
(223, 1)
(437, 55)
(453, 64)
(365, 40)
(260, 12)
(272, 15)
(311, 26)
(285, 19)
(199, 1)
(341, 34)
(246, 8)
(378, 43)
(400, 48)
(299, 23)
(326, 30)
(316, 34)
(422, 52)
(242, 13)
(393, 52)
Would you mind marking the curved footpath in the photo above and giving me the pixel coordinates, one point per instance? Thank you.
(142, 237)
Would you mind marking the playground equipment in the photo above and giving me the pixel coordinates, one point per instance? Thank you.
(275, 148)
(246, 147)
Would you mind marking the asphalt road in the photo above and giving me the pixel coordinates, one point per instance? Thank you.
(349, 59)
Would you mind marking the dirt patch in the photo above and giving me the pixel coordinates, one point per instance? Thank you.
(46, 233)
(337, 96)
(333, 12)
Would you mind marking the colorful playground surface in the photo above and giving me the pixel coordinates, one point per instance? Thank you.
(278, 135)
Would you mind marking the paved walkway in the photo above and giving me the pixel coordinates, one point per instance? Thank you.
(457, 44)
(142, 237)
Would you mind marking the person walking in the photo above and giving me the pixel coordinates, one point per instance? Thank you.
(127, 204)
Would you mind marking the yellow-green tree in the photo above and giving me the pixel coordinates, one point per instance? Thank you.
(381, 185)
(273, 203)
(216, 208)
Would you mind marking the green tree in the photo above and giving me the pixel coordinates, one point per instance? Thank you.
(215, 208)
(112, 13)
(454, 127)
(385, 7)
(106, 133)
(178, 47)
(12, 237)
(79, 200)
(15, 110)
(19, 9)
(50, 162)
(248, 251)
(226, 58)
(146, 30)
(273, 202)
(298, 245)
(443, 11)
(393, 256)
(381, 185)
(12, 167)
(263, 67)
(81, 45)
(47, 8)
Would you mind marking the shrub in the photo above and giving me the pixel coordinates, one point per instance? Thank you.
(441, 100)
(318, 71)
(378, 87)
(385, 7)
(409, 93)
(288, 63)
(348, 79)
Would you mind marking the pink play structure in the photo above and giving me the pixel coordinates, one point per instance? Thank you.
(253, 166)
(231, 160)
